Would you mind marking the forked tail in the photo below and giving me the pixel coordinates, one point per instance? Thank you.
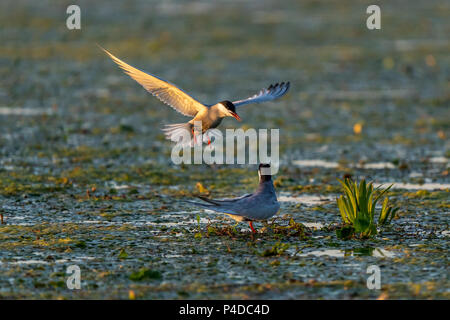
(178, 132)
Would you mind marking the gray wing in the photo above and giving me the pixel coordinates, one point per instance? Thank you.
(163, 90)
(224, 205)
(236, 206)
(271, 93)
(251, 207)
(225, 201)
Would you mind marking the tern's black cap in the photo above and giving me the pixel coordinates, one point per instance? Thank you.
(229, 105)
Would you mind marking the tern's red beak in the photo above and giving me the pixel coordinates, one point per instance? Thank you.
(234, 114)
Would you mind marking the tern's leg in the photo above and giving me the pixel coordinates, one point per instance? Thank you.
(251, 226)
(208, 137)
(195, 139)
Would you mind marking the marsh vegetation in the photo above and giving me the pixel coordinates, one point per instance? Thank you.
(85, 176)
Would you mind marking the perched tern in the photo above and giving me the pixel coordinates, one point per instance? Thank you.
(260, 205)
(210, 116)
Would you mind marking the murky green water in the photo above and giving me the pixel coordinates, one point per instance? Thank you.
(86, 177)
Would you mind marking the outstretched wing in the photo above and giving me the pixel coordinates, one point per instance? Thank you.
(163, 90)
(271, 93)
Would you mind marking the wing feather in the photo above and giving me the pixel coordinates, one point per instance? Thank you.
(273, 92)
(225, 201)
(165, 91)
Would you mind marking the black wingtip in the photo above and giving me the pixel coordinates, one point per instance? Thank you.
(288, 84)
(206, 200)
(284, 84)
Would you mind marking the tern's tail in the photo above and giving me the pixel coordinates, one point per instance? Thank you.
(209, 200)
(204, 205)
(216, 207)
(183, 134)
(178, 131)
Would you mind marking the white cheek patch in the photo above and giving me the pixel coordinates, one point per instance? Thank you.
(223, 110)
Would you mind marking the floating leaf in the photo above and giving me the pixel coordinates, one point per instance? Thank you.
(122, 254)
(198, 235)
(144, 274)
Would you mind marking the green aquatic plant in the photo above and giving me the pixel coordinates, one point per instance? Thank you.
(357, 208)
(292, 229)
(145, 274)
(277, 250)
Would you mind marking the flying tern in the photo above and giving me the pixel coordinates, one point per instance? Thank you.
(210, 116)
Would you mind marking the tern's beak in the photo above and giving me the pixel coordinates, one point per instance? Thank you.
(234, 115)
